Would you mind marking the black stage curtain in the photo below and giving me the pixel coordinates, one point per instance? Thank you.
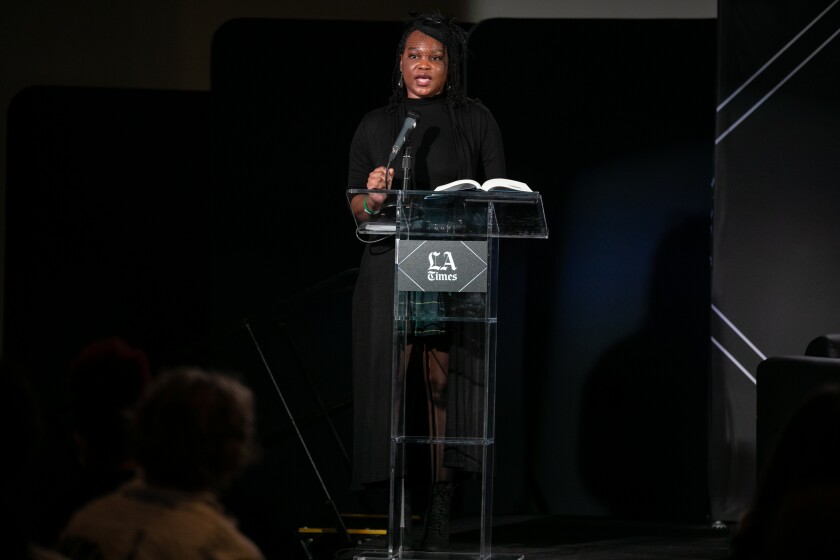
(612, 121)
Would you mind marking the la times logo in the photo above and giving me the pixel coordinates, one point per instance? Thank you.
(439, 265)
(439, 268)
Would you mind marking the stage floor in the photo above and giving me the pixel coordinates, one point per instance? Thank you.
(600, 539)
(580, 538)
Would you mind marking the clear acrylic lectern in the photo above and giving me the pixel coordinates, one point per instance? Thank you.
(446, 269)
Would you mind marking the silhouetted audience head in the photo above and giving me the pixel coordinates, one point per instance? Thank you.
(105, 381)
(824, 346)
(194, 434)
(796, 510)
(195, 430)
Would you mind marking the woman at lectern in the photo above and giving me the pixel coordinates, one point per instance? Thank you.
(453, 137)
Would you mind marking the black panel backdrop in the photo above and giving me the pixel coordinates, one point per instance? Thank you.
(777, 200)
(611, 121)
(236, 215)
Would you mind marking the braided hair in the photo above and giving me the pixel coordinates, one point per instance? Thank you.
(454, 40)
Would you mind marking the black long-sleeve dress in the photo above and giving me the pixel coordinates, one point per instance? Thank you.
(449, 143)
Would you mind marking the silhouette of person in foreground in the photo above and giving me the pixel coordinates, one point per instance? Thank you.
(105, 381)
(195, 433)
(23, 434)
(796, 509)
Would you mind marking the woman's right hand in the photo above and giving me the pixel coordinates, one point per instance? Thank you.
(376, 181)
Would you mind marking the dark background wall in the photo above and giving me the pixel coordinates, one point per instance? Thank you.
(613, 130)
(181, 220)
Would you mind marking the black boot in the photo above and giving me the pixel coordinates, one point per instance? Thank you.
(436, 536)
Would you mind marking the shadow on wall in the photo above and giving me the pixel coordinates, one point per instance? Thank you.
(644, 411)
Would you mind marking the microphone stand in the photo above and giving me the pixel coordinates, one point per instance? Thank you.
(406, 168)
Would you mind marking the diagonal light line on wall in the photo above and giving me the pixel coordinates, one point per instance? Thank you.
(733, 360)
(776, 87)
(732, 326)
(775, 56)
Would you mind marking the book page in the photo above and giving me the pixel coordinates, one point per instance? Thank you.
(460, 184)
(500, 183)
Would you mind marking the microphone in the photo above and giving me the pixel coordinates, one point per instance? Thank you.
(408, 125)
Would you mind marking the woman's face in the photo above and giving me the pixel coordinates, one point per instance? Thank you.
(423, 65)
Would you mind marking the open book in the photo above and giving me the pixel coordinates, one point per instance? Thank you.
(488, 185)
